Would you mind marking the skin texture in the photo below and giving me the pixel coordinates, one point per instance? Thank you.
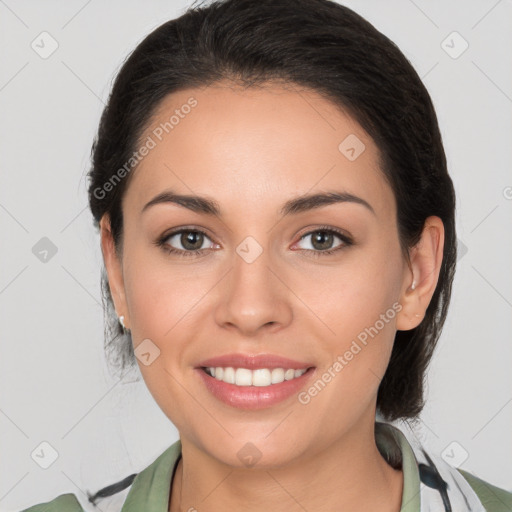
(251, 150)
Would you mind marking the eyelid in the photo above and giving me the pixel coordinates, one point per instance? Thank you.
(181, 229)
(314, 229)
(346, 239)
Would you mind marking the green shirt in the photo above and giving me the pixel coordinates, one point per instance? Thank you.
(149, 490)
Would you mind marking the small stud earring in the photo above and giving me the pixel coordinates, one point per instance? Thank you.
(413, 285)
(121, 321)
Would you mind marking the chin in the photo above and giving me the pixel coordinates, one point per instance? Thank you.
(254, 452)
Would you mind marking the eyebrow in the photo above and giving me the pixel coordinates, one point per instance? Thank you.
(296, 205)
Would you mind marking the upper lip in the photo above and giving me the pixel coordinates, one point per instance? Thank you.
(254, 361)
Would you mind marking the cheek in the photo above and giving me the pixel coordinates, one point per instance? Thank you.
(161, 300)
(351, 295)
(159, 291)
(359, 306)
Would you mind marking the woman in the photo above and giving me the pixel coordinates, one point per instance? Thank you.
(277, 226)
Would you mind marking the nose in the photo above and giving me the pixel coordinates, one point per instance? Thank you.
(253, 294)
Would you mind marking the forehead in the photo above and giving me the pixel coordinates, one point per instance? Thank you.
(257, 147)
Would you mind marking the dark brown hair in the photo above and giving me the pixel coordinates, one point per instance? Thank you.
(328, 48)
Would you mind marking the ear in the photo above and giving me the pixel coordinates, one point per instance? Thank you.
(421, 276)
(114, 270)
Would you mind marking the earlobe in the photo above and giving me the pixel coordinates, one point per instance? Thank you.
(113, 268)
(421, 276)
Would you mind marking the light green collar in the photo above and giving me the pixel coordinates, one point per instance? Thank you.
(150, 488)
(411, 491)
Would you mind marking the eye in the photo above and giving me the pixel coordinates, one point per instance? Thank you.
(191, 240)
(322, 239)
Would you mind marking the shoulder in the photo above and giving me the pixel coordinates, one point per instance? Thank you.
(63, 503)
(494, 499)
(134, 491)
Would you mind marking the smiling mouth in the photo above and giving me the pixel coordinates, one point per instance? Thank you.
(259, 377)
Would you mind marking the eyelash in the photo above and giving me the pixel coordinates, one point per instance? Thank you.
(161, 242)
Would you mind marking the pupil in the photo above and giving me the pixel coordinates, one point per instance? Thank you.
(189, 237)
(322, 235)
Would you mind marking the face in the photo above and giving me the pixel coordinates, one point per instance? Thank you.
(320, 283)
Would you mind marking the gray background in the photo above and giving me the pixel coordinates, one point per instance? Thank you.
(54, 383)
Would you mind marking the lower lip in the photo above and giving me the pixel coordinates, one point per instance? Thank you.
(254, 397)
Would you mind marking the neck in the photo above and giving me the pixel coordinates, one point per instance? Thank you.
(349, 475)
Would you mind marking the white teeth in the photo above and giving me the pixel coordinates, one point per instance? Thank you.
(243, 377)
(289, 374)
(229, 375)
(277, 375)
(259, 377)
